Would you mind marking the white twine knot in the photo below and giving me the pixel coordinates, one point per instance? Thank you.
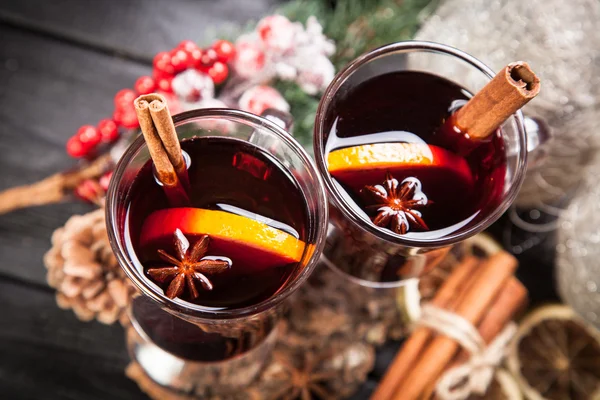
(475, 375)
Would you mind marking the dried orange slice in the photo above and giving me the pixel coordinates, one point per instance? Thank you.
(362, 165)
(240, 238)
(556, 355)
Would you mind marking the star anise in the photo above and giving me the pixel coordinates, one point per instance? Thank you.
(396, 204)
(191, 266)
(305, 382)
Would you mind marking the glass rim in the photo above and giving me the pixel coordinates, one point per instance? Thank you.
(188, 308)
(364, 282)
(334, 191)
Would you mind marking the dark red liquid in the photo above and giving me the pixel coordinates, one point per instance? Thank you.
(228, 175)
(412, 107)
(196, 341)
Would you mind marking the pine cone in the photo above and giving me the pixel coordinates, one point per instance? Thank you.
(85, 272)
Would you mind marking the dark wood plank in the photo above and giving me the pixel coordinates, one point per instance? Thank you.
(49, 354)
(47, 90)
(135, 28)
(46, 353)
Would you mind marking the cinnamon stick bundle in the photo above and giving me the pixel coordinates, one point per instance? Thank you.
(419, 338)
(494, 274)
(476, 292)
(511, 300)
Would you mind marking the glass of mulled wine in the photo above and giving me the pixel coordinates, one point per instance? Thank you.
(213, 274)
(401, 193)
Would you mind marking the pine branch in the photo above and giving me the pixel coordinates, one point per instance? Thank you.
(356, 26)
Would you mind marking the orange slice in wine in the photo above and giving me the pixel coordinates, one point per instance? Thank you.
(362, 165)
(244, 240)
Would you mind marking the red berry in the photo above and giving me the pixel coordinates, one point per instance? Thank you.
(126, 118)
(179, 60)
(162, 63)
(124, 99)
(129, 120)
(208, 58)
(117, 116)
(89, 190)
(105, 180)
(75, 148)
(108, 130)
(194, 57)
(156, 75)
(218, 72)
(164, 84)
(187, 46)
(88, 136)
(249, 59)
(144, 85)
(193, 52)
(276, 33)
(225, 50)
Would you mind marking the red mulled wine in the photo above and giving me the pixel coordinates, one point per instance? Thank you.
(240, 238)
(389, 148)
(237, 243)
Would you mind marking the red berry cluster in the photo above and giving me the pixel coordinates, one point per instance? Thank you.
(212, 61)
(88, 137)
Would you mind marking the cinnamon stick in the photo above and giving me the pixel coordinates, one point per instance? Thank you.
(513, 87)
(419, 338)
(52, 189)
(166, 130)
(493, 276)
(509, 302)
(464, 289)
(163, 144)
(165, 171)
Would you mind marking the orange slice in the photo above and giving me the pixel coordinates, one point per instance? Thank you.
(366, 164)
(244, 240)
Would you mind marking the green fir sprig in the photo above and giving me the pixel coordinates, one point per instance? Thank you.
(356, 26)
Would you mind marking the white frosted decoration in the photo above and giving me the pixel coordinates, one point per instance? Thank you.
(578, 248)
(286, 50)
(192, 86)
(258, 98)
(561, 41)
(314, 75)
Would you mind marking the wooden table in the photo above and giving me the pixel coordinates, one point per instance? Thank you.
(61, 62)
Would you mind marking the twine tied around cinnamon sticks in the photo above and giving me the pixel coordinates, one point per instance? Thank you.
(475, 375)
(484, 293)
